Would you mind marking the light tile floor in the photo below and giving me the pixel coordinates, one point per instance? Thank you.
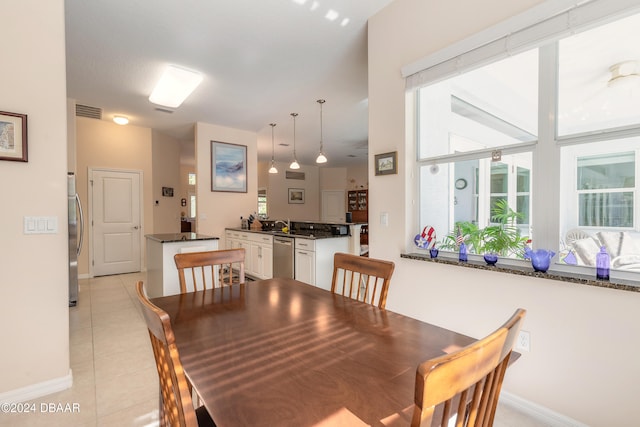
(114, 378)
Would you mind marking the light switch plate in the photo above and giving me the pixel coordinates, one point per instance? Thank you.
(40, 225)
(384, 218)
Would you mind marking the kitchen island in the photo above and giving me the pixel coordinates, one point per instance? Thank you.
(313, 246)
(162, 274)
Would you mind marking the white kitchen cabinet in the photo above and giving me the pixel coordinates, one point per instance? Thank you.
(261, 254)
(314, 259)
(258, 249)
(305, 266)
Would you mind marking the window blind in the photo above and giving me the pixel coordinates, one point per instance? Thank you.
(544, 23)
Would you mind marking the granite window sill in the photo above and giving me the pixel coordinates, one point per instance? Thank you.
(523, 268)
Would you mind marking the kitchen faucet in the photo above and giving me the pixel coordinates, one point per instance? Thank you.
(286, 224)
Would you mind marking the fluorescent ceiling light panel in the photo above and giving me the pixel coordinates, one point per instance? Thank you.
(175, 85)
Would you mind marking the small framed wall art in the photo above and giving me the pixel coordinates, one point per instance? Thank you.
(296, 196)
(386, 163)
(13, 136)
(228, 167)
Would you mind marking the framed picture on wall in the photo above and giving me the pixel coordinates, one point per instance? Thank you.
(296, 196)
(13, 136)
(228, 167)
(386, 163)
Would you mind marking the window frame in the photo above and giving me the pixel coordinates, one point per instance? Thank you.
(546, 150)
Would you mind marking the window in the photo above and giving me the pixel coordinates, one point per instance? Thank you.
(489, 135)
(478, 129)
(262, 202)
(605, 190)
(192, 205)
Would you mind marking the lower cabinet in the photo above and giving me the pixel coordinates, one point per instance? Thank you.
(305, 261)
(261, 258)
(314, 259)
(258, 249)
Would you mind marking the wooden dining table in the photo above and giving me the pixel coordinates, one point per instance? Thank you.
(279, 352)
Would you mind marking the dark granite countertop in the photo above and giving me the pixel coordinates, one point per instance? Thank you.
(178, 237)
(303, 235)
(523, 270)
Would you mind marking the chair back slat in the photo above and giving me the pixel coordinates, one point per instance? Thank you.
(176, 405)
(362, 278)
(210, 269)
(469, 380)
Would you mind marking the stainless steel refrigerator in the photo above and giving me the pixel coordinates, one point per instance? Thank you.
(76, 231)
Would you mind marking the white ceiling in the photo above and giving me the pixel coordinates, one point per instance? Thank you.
(262, 60)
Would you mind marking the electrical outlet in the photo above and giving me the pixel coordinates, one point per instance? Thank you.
(524, 341)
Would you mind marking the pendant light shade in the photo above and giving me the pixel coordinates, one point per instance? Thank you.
(272, 169)
(294, 164)
(321, 157)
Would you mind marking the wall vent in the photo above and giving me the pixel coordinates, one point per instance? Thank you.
(87, 111)
(294, 175)
(164, 110)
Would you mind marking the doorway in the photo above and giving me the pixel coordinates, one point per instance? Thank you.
(115, 221)
(333, 206)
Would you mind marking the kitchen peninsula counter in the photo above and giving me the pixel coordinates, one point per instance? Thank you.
(162, 273)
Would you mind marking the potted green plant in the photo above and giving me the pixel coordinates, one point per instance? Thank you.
(502, 238)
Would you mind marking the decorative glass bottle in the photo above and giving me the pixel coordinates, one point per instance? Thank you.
(462, 255)
(603, 263)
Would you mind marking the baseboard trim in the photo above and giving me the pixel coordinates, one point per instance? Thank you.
(539, 412)
(34, 391)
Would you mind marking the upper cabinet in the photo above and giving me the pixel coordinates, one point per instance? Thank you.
(358, 205)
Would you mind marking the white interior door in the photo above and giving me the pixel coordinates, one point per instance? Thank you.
(115, 220)
(333, 206)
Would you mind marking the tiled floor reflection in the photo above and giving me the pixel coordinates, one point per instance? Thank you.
(114, 378)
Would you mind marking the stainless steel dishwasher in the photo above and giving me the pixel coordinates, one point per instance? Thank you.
(283, 253)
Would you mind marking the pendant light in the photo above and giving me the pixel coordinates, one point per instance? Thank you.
(294, 164)
(321, 157)
(272, 169)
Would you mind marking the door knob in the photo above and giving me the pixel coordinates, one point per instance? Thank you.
(135, 227)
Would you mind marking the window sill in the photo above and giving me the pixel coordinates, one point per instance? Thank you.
(523, 268)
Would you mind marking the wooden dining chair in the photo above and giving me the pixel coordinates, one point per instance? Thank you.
(361, 278)
(198, 269)
(465, 384)
(176, 405)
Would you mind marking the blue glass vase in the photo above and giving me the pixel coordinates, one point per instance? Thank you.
(603, 263)
(540, 258)
(490, 258)
(434, 252)
(462, 255)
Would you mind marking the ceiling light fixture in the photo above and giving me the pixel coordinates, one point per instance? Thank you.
(332, 15)
(294, 164)
(120, 120)
(273, 168)
(321, 157)
(175, 85)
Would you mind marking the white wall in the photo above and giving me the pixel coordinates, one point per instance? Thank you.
(34, 291)
(166, 173)
(278, 194)
(219, 210)
(583, 359)
(104, 144)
